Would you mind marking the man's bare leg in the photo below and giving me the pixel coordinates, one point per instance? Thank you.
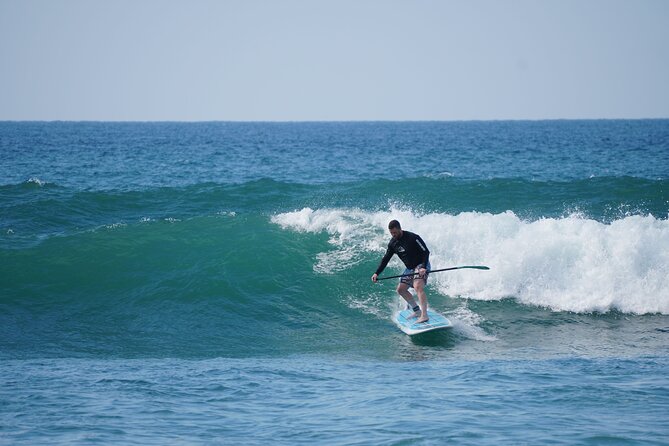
(403, 290)
(419, 286)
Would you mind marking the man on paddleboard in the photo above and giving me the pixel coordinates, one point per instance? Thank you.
(413, 252)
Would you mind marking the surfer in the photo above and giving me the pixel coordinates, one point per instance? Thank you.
(413, 252)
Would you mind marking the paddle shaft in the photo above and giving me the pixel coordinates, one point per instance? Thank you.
(435, 271)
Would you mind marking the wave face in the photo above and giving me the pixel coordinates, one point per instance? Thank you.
(229, 240)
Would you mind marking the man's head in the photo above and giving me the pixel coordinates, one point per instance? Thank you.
(395, 229)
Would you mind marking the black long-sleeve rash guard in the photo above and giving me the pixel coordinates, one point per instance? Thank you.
(410, 248)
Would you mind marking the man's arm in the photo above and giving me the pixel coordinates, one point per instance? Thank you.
(384, 261)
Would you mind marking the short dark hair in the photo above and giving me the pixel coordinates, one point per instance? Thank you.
(394, 224)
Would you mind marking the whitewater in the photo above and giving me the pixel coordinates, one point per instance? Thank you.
(565, 264)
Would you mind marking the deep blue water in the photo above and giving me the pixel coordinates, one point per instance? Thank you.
(208, 283)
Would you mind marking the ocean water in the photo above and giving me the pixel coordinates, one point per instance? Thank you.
(209, 283)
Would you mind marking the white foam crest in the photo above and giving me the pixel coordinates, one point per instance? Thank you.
(115, 225)
(37, 181)
(567, 264)
(352, 234)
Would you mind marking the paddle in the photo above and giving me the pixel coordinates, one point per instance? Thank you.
(435, 271)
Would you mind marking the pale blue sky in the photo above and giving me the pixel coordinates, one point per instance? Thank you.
(333, 59)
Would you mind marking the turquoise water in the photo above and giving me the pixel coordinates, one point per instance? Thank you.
(209, 282)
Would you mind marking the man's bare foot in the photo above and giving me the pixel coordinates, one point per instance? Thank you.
(414, 314)
(422, 319)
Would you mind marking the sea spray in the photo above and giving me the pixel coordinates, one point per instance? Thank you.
(566, 264)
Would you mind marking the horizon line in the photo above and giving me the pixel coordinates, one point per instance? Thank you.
(306, 121)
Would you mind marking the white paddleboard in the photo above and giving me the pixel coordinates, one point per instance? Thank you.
(437, 321)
